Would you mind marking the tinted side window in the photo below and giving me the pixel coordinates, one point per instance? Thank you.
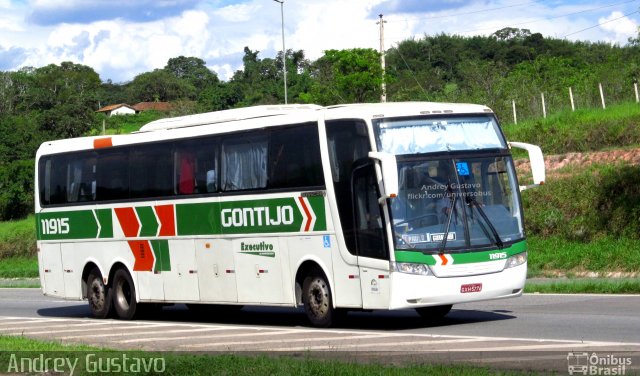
(294, 158)
(151, 171)
(113, 175)
(348, 142)
(81, 177)
(52, 180)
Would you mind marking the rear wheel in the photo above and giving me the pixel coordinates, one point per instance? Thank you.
(318, 302)
(435, 312)
(98, 295)
(124, 295)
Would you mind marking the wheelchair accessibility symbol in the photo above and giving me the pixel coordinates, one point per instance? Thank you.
(326, 240)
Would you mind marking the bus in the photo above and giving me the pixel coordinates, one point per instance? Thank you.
(352, 207)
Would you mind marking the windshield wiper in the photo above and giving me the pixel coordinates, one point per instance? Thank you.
(472, 202)
(445, 236)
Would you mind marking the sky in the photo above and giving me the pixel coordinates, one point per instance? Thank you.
(120, 39)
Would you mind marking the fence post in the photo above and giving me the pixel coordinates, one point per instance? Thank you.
(604, 107)
(635, 88)
(573, 107)
(515, 116)
(544, 107)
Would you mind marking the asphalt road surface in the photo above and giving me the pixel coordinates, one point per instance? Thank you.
(539, 332)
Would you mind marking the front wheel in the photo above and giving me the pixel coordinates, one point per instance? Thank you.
(98, 295)
(318, 303)
(434, 312)
(124, 295)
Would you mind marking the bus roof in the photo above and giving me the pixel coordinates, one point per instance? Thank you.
(258, 117)
(225, 116)
(365, 110)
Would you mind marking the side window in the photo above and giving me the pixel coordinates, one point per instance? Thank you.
(294, 158)
(150, 171)
(55, 179)
(244, 163)
(196, 167)
(348, 142)
(81, 177)
(113, 175)
(370, 239)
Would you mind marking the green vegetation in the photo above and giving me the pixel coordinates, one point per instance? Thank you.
(585, 218)
(19, 267)
(602, 255)
(127, 123)
(595, 202)
(18, 238)
(582, 130)
(584, 286)
(189, 364)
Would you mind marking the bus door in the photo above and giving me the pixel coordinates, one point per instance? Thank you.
(370, 238)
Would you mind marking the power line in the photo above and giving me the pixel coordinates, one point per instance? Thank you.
(600, 24)
(553, 18)
(463, 14)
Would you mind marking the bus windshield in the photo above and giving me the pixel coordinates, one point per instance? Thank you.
(438, 134)
(450, 199)
(456, 204)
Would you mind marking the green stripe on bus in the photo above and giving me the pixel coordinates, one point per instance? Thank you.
(105, 220)
(317, 205)
(460, 258)
(287, 214)
(67, 225)
(148, 221)
(161, 252)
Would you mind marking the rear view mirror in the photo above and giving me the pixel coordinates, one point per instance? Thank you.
(537, 163)
(389, 169)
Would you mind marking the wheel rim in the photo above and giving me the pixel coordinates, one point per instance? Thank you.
(318, 298)
(123, 294)
(97, 295)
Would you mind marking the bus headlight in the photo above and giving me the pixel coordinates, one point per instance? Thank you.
(411, 268)
(516, 260)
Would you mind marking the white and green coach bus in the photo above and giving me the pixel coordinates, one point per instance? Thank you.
(371, 206)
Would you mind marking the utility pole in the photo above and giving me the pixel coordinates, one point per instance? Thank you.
(383, 96)
(284, 51)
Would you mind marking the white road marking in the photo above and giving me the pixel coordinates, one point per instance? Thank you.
(340, 347)
(155, 339)
(286, 340)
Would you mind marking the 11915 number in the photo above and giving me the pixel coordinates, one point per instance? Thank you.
(55, 226)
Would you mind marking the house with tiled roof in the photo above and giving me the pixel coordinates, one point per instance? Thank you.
(118, 109)
(157, 106)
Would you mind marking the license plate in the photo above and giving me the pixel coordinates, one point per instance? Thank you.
(472, 287)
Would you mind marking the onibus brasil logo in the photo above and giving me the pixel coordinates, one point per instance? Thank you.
(584, 363)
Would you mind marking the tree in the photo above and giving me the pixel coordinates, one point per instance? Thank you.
(509, 33)
(159, 85)
(64, 96)
(346, 76)
(192, 70)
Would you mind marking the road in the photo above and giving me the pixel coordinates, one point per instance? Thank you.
(532, 332)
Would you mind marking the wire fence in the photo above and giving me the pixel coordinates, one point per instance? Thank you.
(573, 99)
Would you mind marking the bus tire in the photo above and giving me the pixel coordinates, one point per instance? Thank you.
(434, 312)
(98, 295)
(318, 302)
(124, 295)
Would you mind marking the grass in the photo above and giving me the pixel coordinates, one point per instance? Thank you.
(18, 238)
(230, 364)
(607, 254)
(582, 130)
(584, 286)
(594, 202)
(19, 267)
(125, 124)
